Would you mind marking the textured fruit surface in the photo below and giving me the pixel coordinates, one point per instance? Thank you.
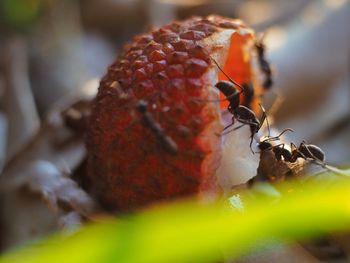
(169, 68)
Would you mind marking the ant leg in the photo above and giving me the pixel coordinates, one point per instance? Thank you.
(247, 122)
(303, 144)
(263, 118)
(243, 121)
(302, 155)
(281, 144)
(230, 125)
(240, 126)
(295, 152)
(250, 123)
(293, 146)
(250, 144)
(252, 138)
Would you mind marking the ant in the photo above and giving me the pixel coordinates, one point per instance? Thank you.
(308, 151)
(305, 151)
(316, 154)
(264, 64)
(167, 142)
(239, 112)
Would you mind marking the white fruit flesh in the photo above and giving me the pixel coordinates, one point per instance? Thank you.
(238, 163)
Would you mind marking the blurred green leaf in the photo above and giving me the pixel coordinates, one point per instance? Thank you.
(21, 12)
(193, 232)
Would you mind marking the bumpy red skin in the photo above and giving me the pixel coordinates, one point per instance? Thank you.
(127, 165)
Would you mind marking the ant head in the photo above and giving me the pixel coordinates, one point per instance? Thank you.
(264, 145)
(141, 105)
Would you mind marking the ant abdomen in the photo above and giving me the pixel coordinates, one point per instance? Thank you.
(226, 87)
(312, 151)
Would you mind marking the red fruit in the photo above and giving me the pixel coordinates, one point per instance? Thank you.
(172, 69)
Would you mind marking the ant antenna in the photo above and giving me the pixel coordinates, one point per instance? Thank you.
(284, 131)
(276, 138)
(227, 76)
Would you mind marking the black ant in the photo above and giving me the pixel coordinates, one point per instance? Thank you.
(308, 151)
(167, 142)
(264, 64)
(305, 151)
(316, 154)
(240, 113)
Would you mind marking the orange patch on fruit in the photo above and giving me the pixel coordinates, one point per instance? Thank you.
(237, 64)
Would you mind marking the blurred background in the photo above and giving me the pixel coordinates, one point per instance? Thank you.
(54, 49)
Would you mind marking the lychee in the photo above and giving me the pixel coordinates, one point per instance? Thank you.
(173, 69)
